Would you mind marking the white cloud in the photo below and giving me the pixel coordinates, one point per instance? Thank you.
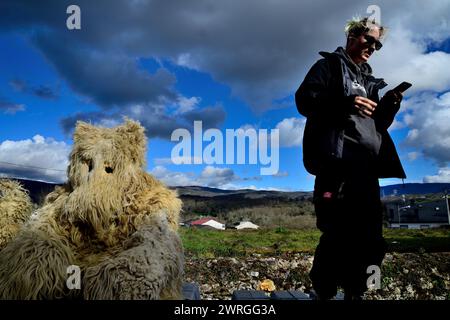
(214, 177)
(404, 58)
(253, 187)
(291, 131)
(413, 155)
(185, 60)
(38, 158)
(427, 117)
(396, 125)
(171, 178)
(187, 104)
(210, 176)
(443, 176)
(177, 160)
(281, 174)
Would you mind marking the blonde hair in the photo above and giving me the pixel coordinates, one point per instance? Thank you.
(359, 26)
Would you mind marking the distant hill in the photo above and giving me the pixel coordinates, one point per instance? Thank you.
(196, 191)
(39, 189)
(395, 189)
(414, 188)
(204, 191)
(265, 208)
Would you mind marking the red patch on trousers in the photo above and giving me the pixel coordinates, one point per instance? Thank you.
(327, 195)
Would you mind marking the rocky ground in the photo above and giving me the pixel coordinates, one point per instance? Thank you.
(404, 275)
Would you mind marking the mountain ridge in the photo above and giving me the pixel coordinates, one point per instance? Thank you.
(39, 189)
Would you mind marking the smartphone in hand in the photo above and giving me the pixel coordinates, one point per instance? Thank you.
(402, 87)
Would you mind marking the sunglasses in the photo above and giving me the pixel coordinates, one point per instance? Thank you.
(371, 40)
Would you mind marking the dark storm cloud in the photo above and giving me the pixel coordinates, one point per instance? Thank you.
(163, 125)
(160, 126)
(10, 107)
(156, 123)
(18, 85)
(108, 79)
(94, 60)
(260, 49)
(44, 92)
(41, 91)
(68, 123)
(211, 116)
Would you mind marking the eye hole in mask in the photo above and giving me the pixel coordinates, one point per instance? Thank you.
(109, 169)
(88, 162)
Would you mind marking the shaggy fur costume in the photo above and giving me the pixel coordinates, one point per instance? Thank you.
(15, 209)
(113, 220)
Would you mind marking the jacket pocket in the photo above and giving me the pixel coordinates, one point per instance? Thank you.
(322, 145)
(328, 203)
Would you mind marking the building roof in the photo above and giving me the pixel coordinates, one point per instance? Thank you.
(202, 221)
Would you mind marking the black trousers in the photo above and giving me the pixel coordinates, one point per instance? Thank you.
(349, 214)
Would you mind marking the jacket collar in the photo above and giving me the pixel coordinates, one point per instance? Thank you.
(364, 68)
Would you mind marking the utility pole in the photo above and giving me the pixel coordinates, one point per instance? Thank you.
(446, 204)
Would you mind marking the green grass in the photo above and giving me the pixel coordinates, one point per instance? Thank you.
(211, 243)
(425, 240)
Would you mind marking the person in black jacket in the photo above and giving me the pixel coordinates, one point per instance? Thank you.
(347, 147)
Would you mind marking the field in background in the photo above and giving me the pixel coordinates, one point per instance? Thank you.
(210, 243)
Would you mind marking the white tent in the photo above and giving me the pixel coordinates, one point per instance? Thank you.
(246, 225)
(214, 224)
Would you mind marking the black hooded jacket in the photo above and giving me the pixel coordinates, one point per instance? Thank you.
(332, 119)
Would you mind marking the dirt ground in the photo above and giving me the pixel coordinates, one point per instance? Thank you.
(410, 276)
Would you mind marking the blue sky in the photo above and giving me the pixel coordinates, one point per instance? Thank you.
(231, 65)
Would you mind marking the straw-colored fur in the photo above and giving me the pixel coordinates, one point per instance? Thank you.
(113, 220)
(15, 209)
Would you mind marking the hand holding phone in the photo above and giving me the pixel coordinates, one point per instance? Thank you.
(402, 87)
(395, 95)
